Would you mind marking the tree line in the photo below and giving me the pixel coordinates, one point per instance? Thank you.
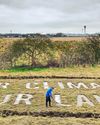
(40, 51)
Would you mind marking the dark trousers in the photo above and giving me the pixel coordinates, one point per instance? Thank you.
(48, 100)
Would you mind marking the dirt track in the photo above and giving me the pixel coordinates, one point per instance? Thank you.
(49, 77)
(6, 113)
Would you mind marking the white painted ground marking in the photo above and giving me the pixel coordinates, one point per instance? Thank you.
(4, 85)
(58, 100)
(28, 85)
(82, 99)
(23, 97)
(45, 85)
(97, 98)
(61, 85)
(78, 86)
(94, 85)
(36, 87)
(6, 99)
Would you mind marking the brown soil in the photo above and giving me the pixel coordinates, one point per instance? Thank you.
(6, 113)
(49, 77)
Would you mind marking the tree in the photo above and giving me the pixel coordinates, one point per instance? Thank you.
(94, 44)
(85, 54)
(32, 47)
(5, 54)
(66, 52)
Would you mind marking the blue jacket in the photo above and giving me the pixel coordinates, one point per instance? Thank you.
(49, 92)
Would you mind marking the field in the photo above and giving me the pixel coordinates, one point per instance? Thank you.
(70, 71)
(71, 111)
(29, 120)
(68, 38)
(53, 39)
(68, 95)
(52, 115)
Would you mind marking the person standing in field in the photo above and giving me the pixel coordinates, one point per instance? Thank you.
(49, 96)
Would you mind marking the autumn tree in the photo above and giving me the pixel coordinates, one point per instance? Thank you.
(94, 44)
(32, 47)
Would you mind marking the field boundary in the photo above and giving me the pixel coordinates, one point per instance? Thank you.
(49, 77)
(6, 113)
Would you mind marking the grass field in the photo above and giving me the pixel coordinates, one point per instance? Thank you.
(68, 96)
(22, 120)
(53, 39)
(68, 38)
(70, 71)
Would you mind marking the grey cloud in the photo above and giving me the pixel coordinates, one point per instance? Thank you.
(49, 15)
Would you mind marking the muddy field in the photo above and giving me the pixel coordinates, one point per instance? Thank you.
(6, 113)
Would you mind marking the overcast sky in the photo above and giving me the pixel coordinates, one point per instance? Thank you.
(49, 16)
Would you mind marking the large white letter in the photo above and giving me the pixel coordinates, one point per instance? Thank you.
(58, 99)
(61, 85)
(81, 99)
(71, 85)
(36, 87)
(28, 85)
(97, 98)
(23, 97)
(4, 85)
(6, 99)
(94, 85)
(45, 85)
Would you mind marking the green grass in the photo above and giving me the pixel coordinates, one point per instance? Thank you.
(25, 69)
(69, 71)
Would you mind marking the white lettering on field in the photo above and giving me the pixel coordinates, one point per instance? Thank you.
(28, 85)
(4, 85)
(97, 98)
(61, 85)
(82, 99)
(94, 85)
(6, 99)
(71, 85)
(58, 99)
(45, 85)
(36, 87)
(23, 97)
